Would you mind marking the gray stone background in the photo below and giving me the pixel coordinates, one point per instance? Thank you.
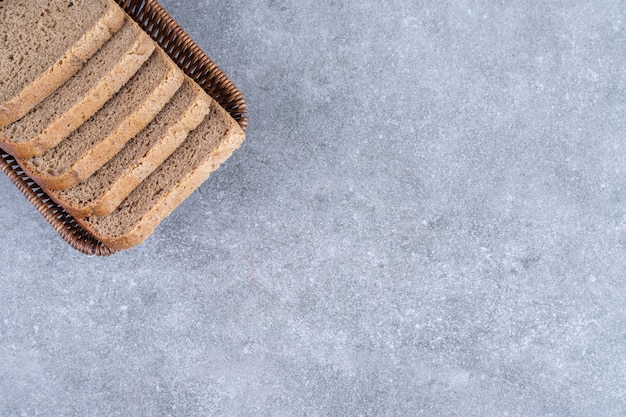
(428, 218)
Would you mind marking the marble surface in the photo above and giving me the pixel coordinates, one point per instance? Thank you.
(428, 218)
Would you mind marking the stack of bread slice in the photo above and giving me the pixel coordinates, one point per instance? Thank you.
(102, 119)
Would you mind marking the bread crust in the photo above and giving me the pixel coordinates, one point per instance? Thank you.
(62, 70)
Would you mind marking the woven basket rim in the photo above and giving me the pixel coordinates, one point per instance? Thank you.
(186, 53)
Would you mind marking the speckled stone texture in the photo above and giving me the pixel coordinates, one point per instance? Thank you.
(428, 218)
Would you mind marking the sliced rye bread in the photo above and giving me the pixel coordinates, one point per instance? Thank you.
(102, 192)
(35, 60)
(81, 96)
(95, 142)
(169, 185)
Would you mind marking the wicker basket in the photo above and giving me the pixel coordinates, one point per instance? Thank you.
(191, 59)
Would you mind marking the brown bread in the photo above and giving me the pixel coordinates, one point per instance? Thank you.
(102, 192)
(80, 97)
(95, 142)
(35, 60)
(158, 195)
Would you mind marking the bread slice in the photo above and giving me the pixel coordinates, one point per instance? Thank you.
(102, 192)
(79, 98)
(94, 143)
(169, 185)
(35, 60)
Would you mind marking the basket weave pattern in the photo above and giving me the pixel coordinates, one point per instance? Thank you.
(153, 19)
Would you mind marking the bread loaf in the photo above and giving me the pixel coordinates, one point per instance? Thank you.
(102, 192)
(158, 195)
(95, 142)
(44, 43)
(102, 119)
(80, 97)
